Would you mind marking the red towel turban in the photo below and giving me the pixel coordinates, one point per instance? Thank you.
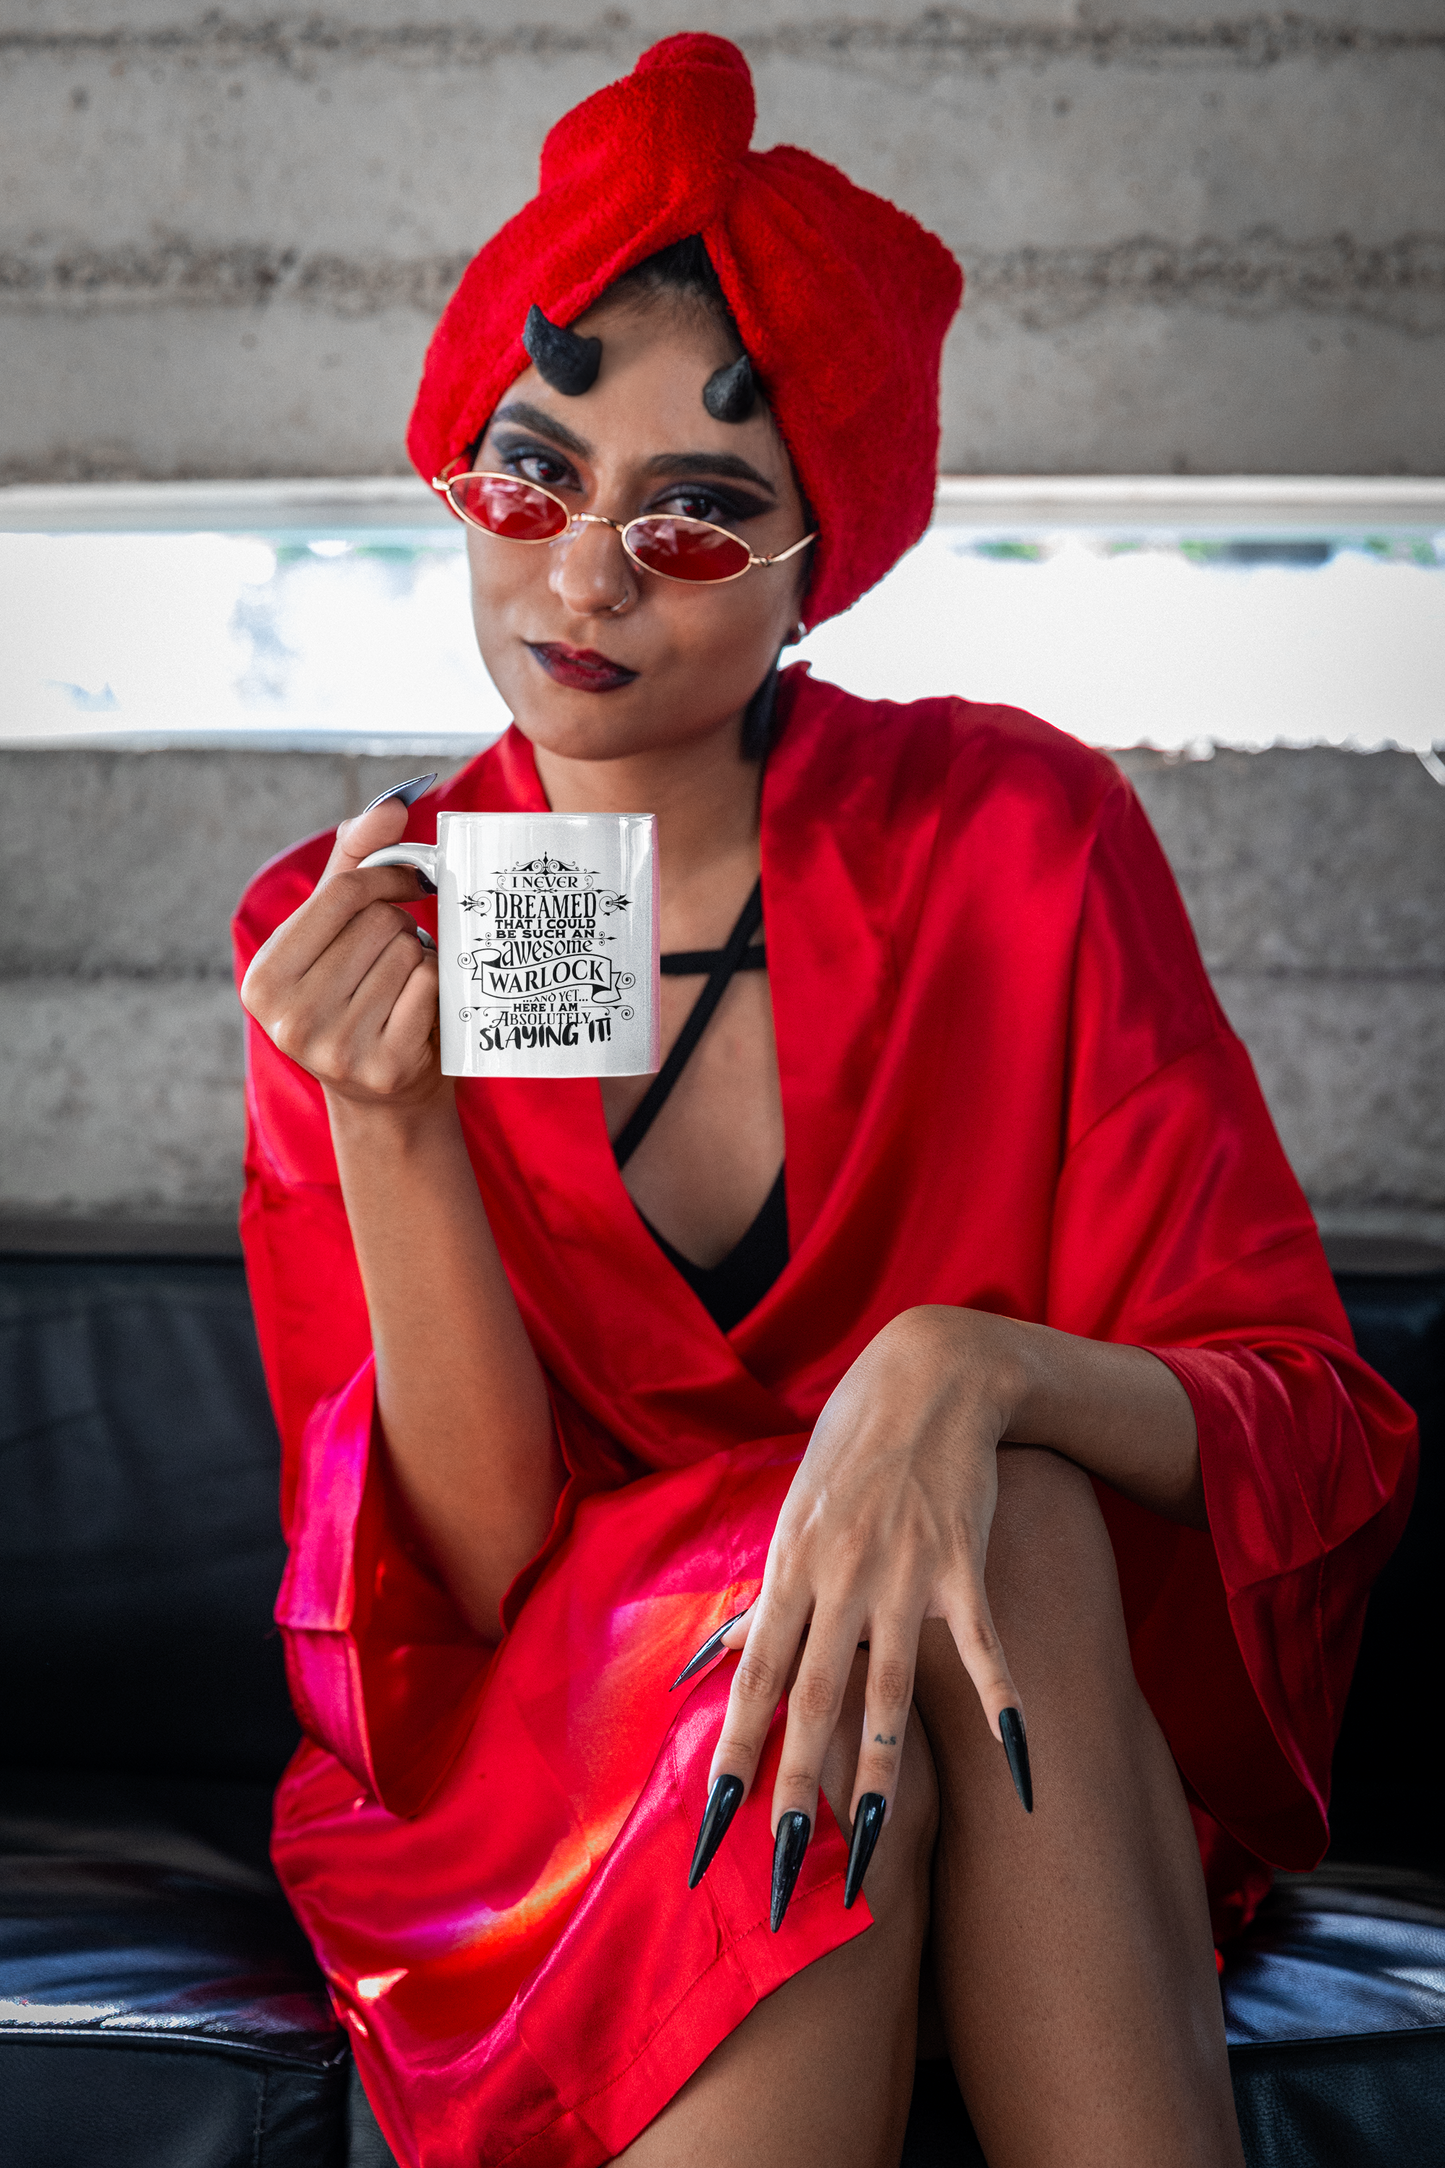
(842, 300)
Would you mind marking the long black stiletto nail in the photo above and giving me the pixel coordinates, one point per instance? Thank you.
(722, 1804)
(407, 792)
(708, 1650)
(789, 1846)
(1016, 1746)
(867, 1828)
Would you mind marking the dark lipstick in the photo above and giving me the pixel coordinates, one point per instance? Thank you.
(580, 667)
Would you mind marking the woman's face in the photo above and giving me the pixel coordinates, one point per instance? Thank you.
(597, 659)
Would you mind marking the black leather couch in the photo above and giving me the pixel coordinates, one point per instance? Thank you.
(159, 2009)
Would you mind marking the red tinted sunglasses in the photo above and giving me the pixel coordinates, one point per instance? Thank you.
(676, 549)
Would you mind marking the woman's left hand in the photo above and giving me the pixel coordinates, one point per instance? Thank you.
(886, 1524)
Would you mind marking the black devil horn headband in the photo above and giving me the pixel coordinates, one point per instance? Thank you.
(563, 360)
(570, 364)
(729, 393)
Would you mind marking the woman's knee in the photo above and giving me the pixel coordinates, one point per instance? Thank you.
(1048, 1548)
(1052, 1585)
(1043, 1487)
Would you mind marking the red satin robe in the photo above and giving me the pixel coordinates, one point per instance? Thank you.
(1007, 1084)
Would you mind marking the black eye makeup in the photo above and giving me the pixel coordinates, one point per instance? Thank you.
(703, 500)
(532, 461)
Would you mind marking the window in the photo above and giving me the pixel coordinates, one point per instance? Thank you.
(1179, 614)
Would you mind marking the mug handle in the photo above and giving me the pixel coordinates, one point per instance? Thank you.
(421, 857)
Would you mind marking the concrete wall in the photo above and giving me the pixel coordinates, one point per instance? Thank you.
(1198, 238)
(1316, 882)
(120, 1034)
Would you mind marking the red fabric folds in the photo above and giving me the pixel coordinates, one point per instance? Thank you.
(1006, 1083)
(842, 299)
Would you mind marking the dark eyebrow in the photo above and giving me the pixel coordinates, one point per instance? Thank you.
(524, 416)
(710, 463)
(531, 417)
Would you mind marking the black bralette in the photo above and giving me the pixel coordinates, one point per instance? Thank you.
(739, 1281)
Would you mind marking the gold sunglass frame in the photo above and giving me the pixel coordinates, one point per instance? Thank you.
(447, 480)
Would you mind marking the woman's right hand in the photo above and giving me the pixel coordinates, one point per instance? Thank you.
(345, 986)
(347, 990)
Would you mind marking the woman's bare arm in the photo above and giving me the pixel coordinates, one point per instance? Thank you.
(887, 1521)
(460, 1394)
(346, 989)
(1119, 1412)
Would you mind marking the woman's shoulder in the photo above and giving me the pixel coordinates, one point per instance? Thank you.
(498, 778)
(979, 759)
(277, 889)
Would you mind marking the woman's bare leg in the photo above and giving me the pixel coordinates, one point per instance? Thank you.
(1071, 1948)
(822, 2070)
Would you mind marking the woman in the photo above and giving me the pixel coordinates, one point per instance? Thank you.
(954, 1345)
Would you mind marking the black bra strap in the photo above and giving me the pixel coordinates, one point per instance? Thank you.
(728, 960)
(700, 963)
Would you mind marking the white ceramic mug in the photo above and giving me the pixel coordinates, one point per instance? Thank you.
(547, 928)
